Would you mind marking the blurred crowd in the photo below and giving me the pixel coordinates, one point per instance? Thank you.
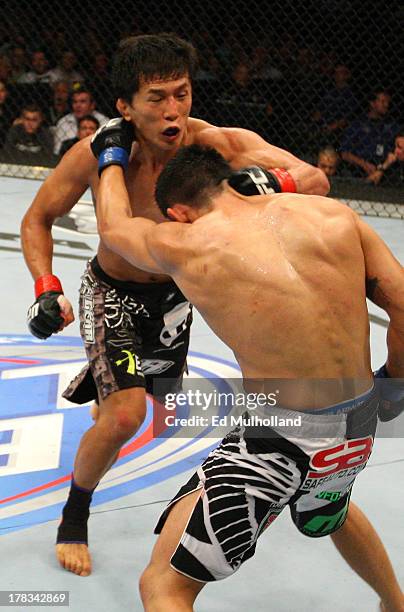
(312, 103)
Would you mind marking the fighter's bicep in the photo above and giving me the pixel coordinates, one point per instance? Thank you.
(66, 184)
(169, 246)
(241, 147)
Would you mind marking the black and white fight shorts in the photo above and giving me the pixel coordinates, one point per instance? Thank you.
(135, 335)
(247, 481)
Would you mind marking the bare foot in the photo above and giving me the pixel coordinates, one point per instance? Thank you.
(74, 558)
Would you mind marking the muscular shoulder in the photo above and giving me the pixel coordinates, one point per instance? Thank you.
(171, 244)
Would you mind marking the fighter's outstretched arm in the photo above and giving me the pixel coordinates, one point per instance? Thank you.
(385, 287)
(151, 246)
(245, 148)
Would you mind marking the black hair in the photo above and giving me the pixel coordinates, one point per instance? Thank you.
(192, 177)
(150, 56)
(89, 118)
(31, 108)
(376, 91)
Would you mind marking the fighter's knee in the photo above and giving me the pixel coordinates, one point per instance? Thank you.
(125, 423)
(149, 584)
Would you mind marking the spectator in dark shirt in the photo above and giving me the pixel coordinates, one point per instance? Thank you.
(337, 106)
(87, 125)
(7, 112)
(242, 102)
(29, 141)
(366, 142)
(98, 81)
(391, 171)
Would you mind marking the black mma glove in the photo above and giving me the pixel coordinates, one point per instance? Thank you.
(112, 143)
(391, 393)
(43, 317)
(254, 180)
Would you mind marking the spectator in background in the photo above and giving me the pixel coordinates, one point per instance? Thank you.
(5, 69)
(7, 112)
(39, 72)
(391, 170)
(336, 107)
(88, 125)
(98, 80)
(60, 102)
(262, 67)
(65, 70)
(18, 57)
(82, 104)
(328, 160)
(29, 141)
(366, 142)
(241, 102)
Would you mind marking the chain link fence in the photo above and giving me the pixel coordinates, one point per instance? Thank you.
(320, 78)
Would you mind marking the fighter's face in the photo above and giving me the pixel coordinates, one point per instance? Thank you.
(160, 110)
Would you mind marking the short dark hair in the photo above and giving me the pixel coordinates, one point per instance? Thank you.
(89, 118)
(32, 108)
(376, 91)
(400, 133)
(150, 56)
(79, 88)
(192, 177)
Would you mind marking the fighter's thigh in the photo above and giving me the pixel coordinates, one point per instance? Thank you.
(168, 542)
(173, 529)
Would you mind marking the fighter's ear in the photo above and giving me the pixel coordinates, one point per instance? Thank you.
(179, 213)
(123, 108)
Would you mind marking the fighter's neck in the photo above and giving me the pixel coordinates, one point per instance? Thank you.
(155, 157)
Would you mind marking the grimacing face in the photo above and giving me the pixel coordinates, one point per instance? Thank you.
(159, 111)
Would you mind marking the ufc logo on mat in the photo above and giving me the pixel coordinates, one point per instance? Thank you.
(347, 455)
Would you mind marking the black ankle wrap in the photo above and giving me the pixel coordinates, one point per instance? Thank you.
(73, 528)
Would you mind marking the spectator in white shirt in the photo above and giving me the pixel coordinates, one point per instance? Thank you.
(65, 71)
(82, 104)
(39, 72)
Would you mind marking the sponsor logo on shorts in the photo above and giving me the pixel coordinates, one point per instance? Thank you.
(87, 296)
(350, 454)
(344, 460)
(156, 366)
(323, 524)
(132, 362)
(329, 495)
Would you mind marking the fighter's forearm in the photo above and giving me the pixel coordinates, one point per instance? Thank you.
(309, 180)
(113, 203)
(37, 245)
(125, 235)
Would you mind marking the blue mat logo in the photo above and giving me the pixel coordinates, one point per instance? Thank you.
(40, 432)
